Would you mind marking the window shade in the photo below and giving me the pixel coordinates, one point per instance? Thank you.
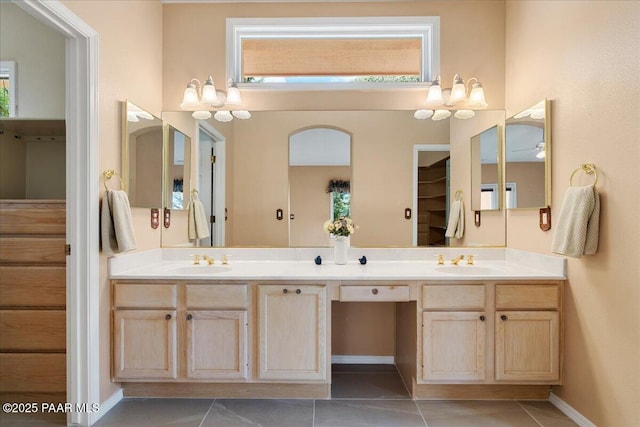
(331, 57)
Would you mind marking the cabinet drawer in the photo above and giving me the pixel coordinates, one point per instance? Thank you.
(453, 297)
(391, 293)
(144, 296)
(528, 297)
(216, 296)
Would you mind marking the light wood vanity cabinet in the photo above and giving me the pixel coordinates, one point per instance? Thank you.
(179, 331)
(491, 333)
(144, 332)
(292, 332)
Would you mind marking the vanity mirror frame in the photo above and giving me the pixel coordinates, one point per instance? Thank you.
(126, 151)
(546, 134)
(475, 197)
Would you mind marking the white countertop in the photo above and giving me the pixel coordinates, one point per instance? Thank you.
(297, 264)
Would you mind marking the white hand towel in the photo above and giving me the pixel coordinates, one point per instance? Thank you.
(578, 225)
(455, 227)
(198, 225)
(116, 223)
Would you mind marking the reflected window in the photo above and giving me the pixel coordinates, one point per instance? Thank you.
(511, 195)
(488, 196)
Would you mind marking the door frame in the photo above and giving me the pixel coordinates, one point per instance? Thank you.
(82, 203)
(219, 174)
(417, 148)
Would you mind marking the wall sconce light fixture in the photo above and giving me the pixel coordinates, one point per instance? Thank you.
(201, 98)
(456, 96)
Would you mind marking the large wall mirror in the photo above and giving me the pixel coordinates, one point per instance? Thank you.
(142, 148)
(528, 158)
(485, 170)
(271, 201)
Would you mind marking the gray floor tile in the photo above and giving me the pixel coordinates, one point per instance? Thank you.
(156, 412)
(33, 420)
(260, 413)
(373, 368)
(381, 385)
(475, 413)
(367, 413)
(546, 414)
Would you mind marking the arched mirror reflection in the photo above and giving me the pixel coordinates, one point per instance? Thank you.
(319, 183)
(142, 147)
(527, 158)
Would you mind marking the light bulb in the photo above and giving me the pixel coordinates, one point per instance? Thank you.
(423, 114)
(233, 95)
(434, 95)
(476, 97)
(223, 116)
(209, 96)
(458, 91)
(201, 115)
(541, 154)
(464, 114)
(190, 98)
(241, 114)
(440, 115)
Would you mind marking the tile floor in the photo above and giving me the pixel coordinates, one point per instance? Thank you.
(362, 396)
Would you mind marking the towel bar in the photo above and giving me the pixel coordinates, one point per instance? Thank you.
(108, 174)
(589, 169)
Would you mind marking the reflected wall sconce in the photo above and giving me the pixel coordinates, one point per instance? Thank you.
(440, 99)
(201, 99)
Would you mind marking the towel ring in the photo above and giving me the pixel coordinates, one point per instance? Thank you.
(195, 192)
(458, 195)
(589, 169)
(108, 174)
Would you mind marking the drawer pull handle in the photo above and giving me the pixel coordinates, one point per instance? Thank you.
(298, 291)
(285, 291)
(189, 316)
(482, 318)
(374, 291)
(503, 317)
(168, 317)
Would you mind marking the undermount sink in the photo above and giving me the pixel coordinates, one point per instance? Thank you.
(466, 269)
(201, 269)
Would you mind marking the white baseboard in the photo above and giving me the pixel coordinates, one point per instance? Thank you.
(570, 411)
(108, 404)
(363, 360)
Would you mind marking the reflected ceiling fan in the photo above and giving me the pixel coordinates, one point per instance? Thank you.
(539, 149)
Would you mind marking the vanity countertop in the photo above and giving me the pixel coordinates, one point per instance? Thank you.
(291, 264)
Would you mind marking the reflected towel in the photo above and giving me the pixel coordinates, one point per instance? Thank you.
(455, 227)
(116, 223)
(198, 225)
(578, 225)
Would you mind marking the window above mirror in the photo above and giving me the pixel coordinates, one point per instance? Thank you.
(336, 52)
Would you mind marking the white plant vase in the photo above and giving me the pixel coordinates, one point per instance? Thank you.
(340, 250)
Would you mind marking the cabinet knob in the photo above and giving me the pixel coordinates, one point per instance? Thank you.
(298, 291)
(168, 317)
(482, 318)
(285, 291)
(503, 317)
(374, 291)
(189, 316)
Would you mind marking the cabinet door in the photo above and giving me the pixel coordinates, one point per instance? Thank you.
(216, 344)
(453, 346)
(527, 346)
(144, 344)
(292, 332)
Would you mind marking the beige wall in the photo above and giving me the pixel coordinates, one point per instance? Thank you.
(39, 55)
(529, 179)
(587, 60)
(45, 170)
(130, 56)
(310, 202)
(363, 328)
(472, 44)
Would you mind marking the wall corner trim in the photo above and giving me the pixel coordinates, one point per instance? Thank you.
(109, 403)
(570, 411)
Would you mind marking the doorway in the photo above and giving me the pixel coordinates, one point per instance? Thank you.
(211, 182)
